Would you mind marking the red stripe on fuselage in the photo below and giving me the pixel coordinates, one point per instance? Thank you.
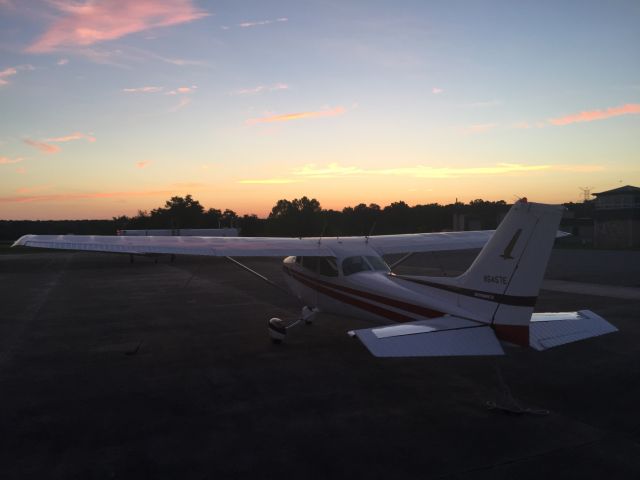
(321, 286)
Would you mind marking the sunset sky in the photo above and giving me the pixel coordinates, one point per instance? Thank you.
(111, 106)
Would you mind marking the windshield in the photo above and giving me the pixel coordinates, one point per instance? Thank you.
(352, 265)
(377, 263)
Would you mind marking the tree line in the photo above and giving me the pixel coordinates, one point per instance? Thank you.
(299, 217)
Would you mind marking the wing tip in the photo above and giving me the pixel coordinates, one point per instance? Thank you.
(22, 241)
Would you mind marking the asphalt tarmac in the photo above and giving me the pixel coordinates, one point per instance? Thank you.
(117, 370)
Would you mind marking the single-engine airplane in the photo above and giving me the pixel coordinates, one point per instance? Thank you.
(490, 303)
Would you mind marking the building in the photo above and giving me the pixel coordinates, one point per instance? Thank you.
(577, 220)
(617, 218)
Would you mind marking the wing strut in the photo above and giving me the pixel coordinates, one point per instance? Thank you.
(259, 275)
(402, 259)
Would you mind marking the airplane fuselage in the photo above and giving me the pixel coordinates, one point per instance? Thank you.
(360, 285)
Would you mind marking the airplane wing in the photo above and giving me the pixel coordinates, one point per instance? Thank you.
(437, 337)
(423, 242)
(209, 246)
(430, 242)
(259, 246)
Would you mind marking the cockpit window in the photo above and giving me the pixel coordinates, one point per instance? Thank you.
(351, 265)
(377, 263)
(310, 263)
(322, 265)
(327, 266)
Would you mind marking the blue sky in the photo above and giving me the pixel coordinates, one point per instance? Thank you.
(113, 106)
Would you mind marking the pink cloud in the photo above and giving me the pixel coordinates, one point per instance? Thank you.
(436, 90)
(143, 164)
(261, 89)
(82, 24)
(7, 160)
(182, 90)
(77, 196)
(62, 61)
(6, 73)
(21, 170)
(147, 89)
(50, 148)
(43, 147)
(72, 137)
(286, 117)
(590, 116)
(11, 71)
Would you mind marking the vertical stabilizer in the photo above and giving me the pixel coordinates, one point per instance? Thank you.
(506, 276)
(501, 286)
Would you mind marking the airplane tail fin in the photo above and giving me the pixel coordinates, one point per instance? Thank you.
(507, 274)
(502, 284)
(494, 298)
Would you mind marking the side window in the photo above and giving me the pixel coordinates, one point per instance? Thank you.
(327, 266)
(323, 265)
(352, 265)
(310, 263)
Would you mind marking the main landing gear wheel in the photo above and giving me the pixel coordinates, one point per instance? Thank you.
(277, 330)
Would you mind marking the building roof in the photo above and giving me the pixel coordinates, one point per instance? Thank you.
(620, 190)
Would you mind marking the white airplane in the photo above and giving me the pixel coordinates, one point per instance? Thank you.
(490, 303)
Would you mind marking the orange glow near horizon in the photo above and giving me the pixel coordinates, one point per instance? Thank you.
(44, 203)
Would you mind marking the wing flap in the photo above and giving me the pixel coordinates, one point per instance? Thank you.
(443, 336)
(549, 330)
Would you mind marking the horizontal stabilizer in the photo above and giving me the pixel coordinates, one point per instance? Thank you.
(549, 330)
(442, 336)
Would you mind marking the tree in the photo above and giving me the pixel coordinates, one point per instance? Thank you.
(229, 218)
(179, 212)
(211, 218)
(299, 217)
(359, 220)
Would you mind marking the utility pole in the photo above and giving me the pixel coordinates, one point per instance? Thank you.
(586, 193)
